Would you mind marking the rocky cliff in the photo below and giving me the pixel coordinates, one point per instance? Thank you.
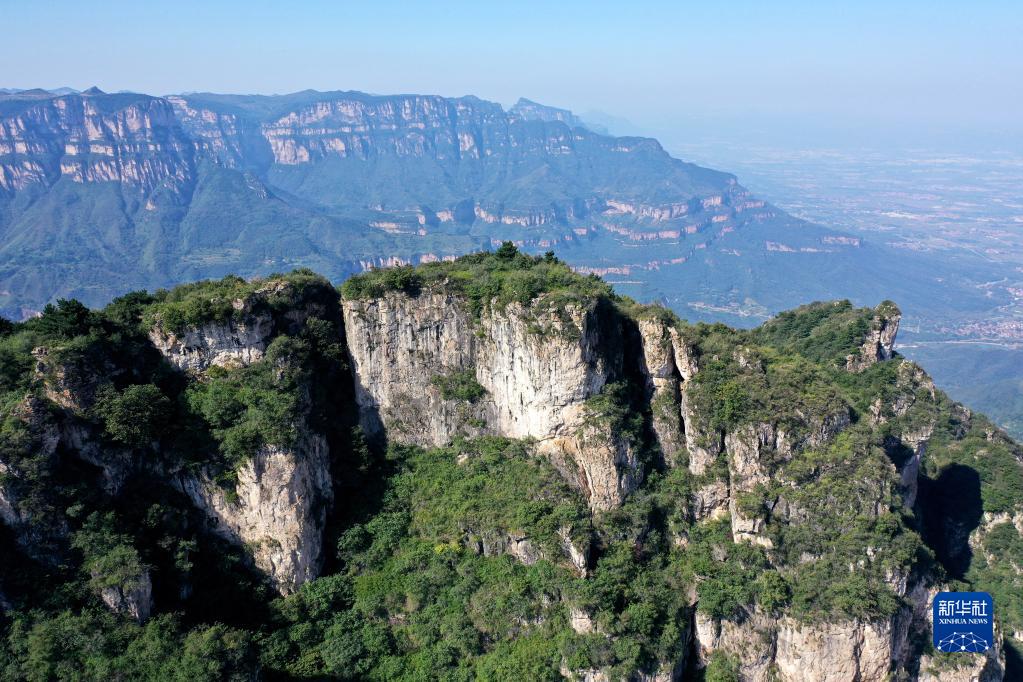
(200, 185)
(499, 453)
(277, 509)
(535, 367)
(132, 140)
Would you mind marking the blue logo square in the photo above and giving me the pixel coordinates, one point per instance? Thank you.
(964, 622)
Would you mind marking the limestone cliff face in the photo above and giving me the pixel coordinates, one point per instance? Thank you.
(880, 341)
(133, 140)
(359, 126)
(278, 505)
(771, 648)
(134, 598)
(277, 509)
(398, 345)
(536, 370)
(352, 128)
(223, 344)
(241, 338)
(833, 652)
(664, 383)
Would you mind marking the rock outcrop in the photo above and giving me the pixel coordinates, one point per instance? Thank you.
(771, 648)
(879, 344)
(81, 137)
(240, 338)
(535, 384)
(133, 598)
(745, 448)
(223, 344)
(664, 383)
(834, 652)
(535, 367)
(277, 509)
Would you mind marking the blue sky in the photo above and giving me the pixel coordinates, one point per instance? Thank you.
(938, 65)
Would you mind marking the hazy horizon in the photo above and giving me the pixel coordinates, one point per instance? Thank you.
(919, 69)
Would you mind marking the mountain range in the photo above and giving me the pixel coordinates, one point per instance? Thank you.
(103, 193)
(493, 468)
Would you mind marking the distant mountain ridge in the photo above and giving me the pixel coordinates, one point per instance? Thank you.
(118, 191)
(101, 194)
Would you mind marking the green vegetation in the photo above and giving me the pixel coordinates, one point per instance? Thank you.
(427, 592)
(459, 385)
(109, 558)
(95, 645)
(135, 416)
(722, 667)
(487, 279)
(255, 406)
(613, 408)
(83, 531)
(192, 305)
(463, 562)
(822, 332)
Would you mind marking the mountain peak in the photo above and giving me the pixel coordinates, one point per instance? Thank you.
(528, 110)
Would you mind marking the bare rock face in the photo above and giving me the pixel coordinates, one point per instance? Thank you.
(535, 384)
(711, 501)
(751, 637)
(745, 449)
(80, 137)
(539, 382)
(592, 675)
(225, 344)
(134, 598)
(490, 542)
(770, 649)
(599, 462)
(834, 651)
(664, 385)
(67, 384)
(536, 369)
(879, 343)
(669, 363)
(278, 509)
(578, 555)
(516, 545)
(580, 621)
(398, 346)
(243, 337)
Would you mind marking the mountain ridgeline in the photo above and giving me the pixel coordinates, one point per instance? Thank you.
(488, 468)
(129, 190)
(101, 194)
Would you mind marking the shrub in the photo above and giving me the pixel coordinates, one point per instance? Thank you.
(722, 667)
(66, 320)
(459, 385)
(135, 416)
(484, 280)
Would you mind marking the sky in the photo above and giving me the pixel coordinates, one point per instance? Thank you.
(951, 68)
